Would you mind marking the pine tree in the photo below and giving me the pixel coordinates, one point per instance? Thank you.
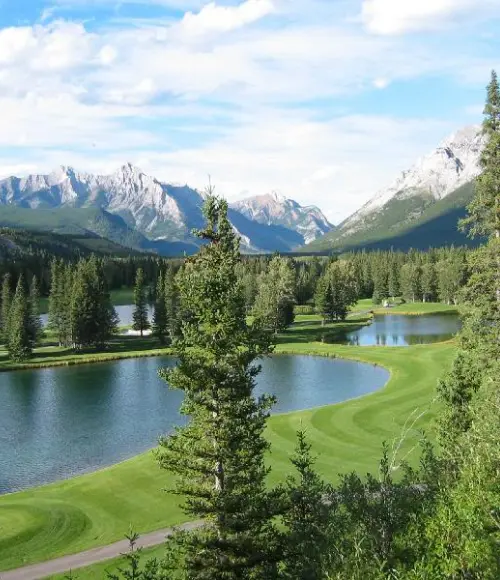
(160, 321)
(171, 304)
(307, 518)
(380, 280)
(484, 210)
(19, 342)
(5, 307)
(140, 315)
(60, 301)
(218, 457)
(93, 317)
(36, 328)
(429, 282)
(411, 281)
(323, 300)
(394, 287)
(107, 319)
(275, 299)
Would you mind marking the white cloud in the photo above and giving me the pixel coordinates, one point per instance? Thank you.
(142, 91)
(57, 46)
(215, 18)
(381, 83)
(392, 17)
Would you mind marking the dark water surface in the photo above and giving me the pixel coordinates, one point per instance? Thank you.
(401, 330)
(56, 423)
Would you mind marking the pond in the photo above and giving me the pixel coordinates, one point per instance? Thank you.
(124, 313)
(400, 330)
(57, 423)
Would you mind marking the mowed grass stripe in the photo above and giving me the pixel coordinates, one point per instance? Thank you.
(97, 509)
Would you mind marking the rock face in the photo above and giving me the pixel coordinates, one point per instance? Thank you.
(275, 209)
(454, 163)
(162, 211)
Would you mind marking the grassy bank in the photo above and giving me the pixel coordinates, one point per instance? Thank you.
(406, 308)
(96, 509)
(307, 328)
(120, 347)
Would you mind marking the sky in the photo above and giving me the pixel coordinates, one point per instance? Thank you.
(324, 101)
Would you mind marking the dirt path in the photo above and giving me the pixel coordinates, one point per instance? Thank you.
(89, 557)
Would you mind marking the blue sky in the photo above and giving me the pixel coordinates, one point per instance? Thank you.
(322, 100)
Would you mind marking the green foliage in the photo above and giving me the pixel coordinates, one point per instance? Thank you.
(171, 304)
(5, 306)
(93, 317)
(36, 329)
(218, 457)
(307, 518)
(19, 344)
(140, 315)
(275, 298)
(336, 292)
(411, 281)
(133, 569)
(484, 210)
(160, 321)
(60, 302)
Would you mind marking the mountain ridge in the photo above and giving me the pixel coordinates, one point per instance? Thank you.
(452, 165)
(159, 211)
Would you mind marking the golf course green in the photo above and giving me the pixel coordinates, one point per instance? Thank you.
(98, 508)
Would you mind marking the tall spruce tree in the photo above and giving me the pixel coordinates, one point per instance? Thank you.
(429, 281)
(93, 317)
(323, 300)
(218, 457)
(160, 321)
(171, 303)
(484, 210)
(140, 314)
(5, 306)
(36, 328)
(307, 518)
(19, 344)
(276, 296)
(60, 301)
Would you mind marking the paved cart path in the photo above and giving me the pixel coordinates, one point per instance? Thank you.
(89, 557)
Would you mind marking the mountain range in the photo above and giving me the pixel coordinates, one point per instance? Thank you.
(141, 212)
(421, 207)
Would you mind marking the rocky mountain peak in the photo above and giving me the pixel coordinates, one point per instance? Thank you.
(275, 209)
(452, 164)
(164, 211)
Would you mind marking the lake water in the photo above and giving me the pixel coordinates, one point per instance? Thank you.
(124, 313)
(400, 330)
(60, 422)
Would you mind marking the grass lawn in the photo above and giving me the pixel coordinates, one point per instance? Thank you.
(97, 509)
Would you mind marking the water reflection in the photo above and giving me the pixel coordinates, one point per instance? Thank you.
(55, 423)
(400, 330)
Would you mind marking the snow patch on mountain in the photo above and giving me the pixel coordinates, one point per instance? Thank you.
(452, 164)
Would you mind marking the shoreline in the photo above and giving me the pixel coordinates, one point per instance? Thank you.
(85, 495)
(150, 450)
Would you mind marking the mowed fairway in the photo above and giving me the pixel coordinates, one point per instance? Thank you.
(97, 509)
